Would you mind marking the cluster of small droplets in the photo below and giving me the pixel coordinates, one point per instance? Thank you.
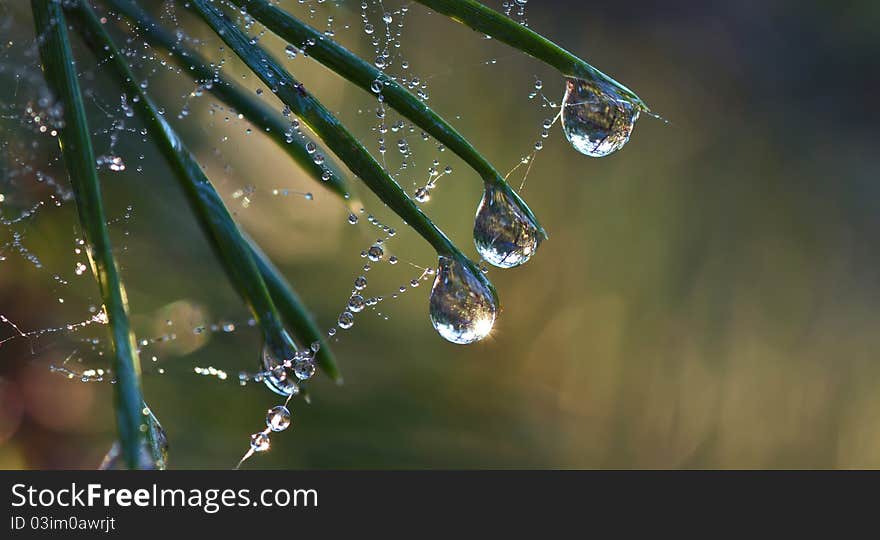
(425, 275)
(112, 163)
(244, 194)
(86, 375)
(356, 301)
(422, 194)
(528, 159)
(210, 371)
(353, 219)
(99, 316)
(278, 418)
(45, 116)
(302, 364)
(143, 344)
(117, 116)
(295, 131)
(516, 7)
(457, 323)
(387, 40)
(538, 92)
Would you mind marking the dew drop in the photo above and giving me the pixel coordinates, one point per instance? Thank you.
(504, 233)
(463, 303)
(278, 378)
(422, 195)
(596, 119)
(278, 418)
(375, 253)
(356, 303)
(260, 442)
(346, 320)
(304, 369)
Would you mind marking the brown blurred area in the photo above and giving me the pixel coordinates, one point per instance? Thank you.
(707, 298)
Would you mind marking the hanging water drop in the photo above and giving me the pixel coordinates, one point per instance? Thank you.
(260, 442)
(504, 233)
(277, 377)
(278, 418)
(422, 195)
(346, 320)
(304, 369)
(596, 119)
(356, 303)
(463, 303)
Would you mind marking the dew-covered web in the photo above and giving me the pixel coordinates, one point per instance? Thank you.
(33, 183)
(30, 192)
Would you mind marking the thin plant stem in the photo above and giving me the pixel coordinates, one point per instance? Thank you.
(132, 418)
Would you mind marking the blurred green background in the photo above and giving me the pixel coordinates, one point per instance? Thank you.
(707, 298)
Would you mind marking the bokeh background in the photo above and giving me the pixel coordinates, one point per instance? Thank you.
(707, 299)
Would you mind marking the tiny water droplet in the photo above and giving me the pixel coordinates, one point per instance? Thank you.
(463, 303)
(260, 442)
(596, 119)
(278, 418)
(504, 234)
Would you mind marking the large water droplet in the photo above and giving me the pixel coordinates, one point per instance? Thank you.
(279, 379)
(504, 233)
(278, 418)
(596, 119)
(463, 303)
